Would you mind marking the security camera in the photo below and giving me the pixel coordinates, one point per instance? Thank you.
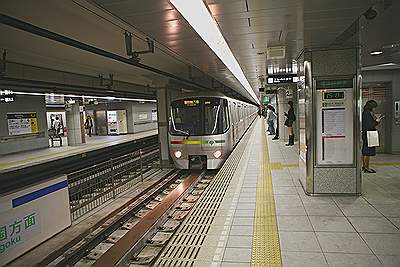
(370, 14)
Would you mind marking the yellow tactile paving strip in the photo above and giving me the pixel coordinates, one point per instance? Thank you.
(280, 166)
(266, 249)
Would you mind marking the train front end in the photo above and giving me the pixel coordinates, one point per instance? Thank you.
(199, 132)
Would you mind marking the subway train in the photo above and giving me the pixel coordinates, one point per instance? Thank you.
(204, 129)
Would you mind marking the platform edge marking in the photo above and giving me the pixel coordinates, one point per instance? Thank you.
(266, 247)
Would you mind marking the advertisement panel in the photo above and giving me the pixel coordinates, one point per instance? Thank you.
(22, 123)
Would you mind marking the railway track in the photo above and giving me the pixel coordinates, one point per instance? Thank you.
(137, 234)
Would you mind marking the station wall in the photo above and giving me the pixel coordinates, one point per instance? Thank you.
(139, 115)
(14, 142)
(144, 117)
(392, 76)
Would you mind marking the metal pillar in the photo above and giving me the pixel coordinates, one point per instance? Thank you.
(330, 128)
(162, 119)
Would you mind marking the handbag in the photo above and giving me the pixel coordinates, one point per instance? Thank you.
(372, 138)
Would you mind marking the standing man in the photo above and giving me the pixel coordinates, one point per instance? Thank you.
(89, 125)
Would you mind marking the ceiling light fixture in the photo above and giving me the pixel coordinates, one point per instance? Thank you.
(85, 96)
(375, 53)
(197, 15)
(388, 64)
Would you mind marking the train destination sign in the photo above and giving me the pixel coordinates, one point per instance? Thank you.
(191, 103)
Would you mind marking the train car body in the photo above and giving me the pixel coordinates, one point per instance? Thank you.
(204, 129)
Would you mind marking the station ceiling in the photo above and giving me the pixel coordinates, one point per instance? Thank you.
(249, 26)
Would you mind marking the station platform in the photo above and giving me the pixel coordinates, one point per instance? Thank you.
(255, 213)
(16, 161)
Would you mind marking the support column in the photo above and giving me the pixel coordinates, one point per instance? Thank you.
(330, 134)
(74, 125)
(162, 119)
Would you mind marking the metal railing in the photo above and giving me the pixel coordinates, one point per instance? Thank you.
(91, 187)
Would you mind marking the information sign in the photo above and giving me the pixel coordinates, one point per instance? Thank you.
(143, 116)
(31, 215)
(22, 123)
(334, 125)
(334, 84)
(7, 96)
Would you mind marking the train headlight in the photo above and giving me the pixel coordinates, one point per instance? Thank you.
(178, 154)
(217, 154)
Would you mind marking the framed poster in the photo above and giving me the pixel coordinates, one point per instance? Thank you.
(143, 116)
(22, 123)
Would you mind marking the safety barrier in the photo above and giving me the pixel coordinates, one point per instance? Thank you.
(91, 187)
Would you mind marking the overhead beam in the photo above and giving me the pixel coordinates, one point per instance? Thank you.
(27, 27)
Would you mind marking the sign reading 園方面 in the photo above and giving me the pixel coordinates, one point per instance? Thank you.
(17, 230)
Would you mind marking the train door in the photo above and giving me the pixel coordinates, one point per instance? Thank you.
(235, 121)
(230, 121)
(240, 120)
(245, 116)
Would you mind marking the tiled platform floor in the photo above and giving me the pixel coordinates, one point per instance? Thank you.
(23, 159)
(338, 231)
(313, 231)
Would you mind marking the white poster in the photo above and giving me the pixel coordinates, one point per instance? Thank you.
(22, 123)
(112, 122)
(334, 122)
(142, 116)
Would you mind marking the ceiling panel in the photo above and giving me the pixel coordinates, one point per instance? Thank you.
(382, 34)
(248, 28)
(325, 20)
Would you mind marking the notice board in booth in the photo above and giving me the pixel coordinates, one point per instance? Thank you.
(334, 123)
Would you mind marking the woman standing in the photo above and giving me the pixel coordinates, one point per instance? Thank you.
(369, 123)
(290, 119)
(271, 117)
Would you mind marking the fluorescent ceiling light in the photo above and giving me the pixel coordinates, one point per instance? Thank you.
(196, 14)
(86, 96)
(388, 64)
(375, 53)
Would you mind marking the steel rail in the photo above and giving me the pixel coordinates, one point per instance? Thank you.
(74, 255)
(119, 250)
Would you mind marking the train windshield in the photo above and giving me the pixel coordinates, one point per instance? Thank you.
(200, 116)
